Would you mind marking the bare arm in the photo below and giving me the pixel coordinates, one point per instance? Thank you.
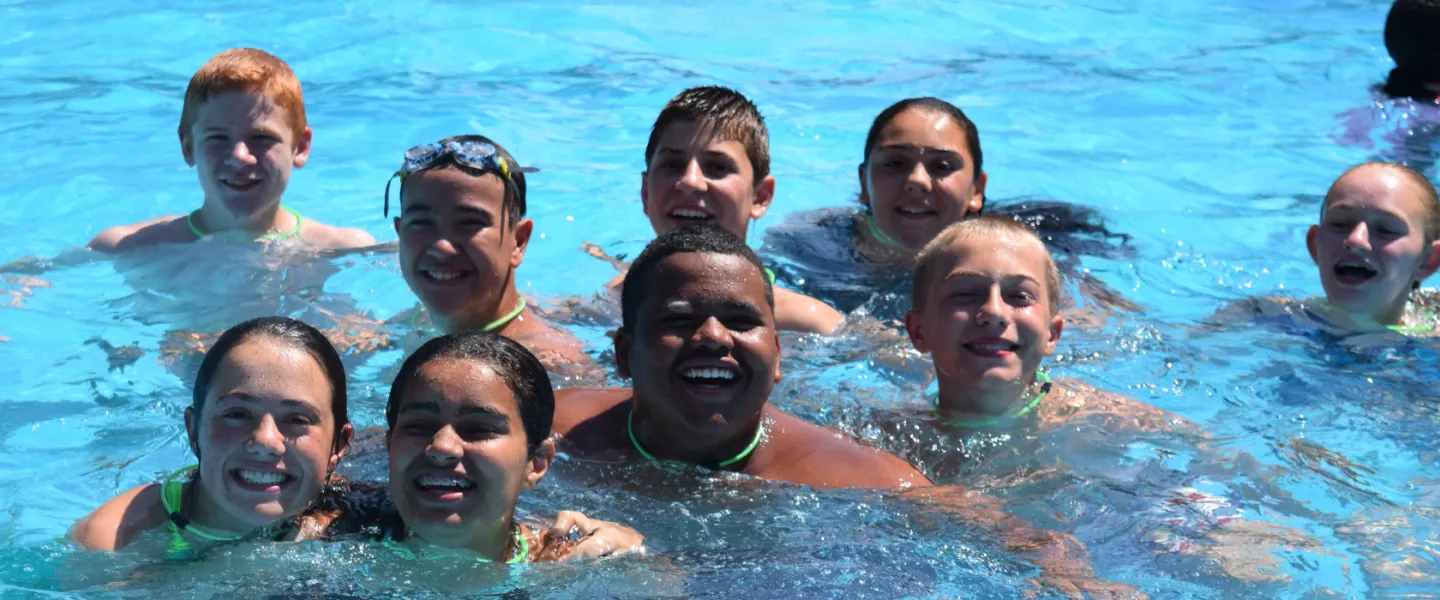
(118, 522)
(797, 312)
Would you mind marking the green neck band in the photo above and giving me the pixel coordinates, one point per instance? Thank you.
(504, 319)
(269, 237)
(754, 443)
(986, 422)
(880, 236)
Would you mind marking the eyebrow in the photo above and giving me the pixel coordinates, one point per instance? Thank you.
(684, 306)
(244, 397)
(1004, 278)
(1354, 210)
(922, 149)
(465, 411)
(683, 151)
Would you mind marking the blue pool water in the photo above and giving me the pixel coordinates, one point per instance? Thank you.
(1205, 130)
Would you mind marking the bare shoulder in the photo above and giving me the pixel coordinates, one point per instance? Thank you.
(118, 522)
(1073, 399)
(797, 312)
(159, 230)
(574, 406)
(824, 458)
(329, 237)
(615, 283)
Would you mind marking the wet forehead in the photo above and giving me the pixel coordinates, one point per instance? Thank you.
(1376, 188)
(452, 387)
(997, 256)
(917, 129)
(262, 369)
(691, 137)
(704, 279)
(447, 189)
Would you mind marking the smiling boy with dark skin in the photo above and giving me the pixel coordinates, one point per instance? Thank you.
(699, 342)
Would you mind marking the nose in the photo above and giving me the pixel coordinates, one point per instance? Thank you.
(919, 179)
(713, 335)
(441, 247)
(266, 442)
(444, 449)
(993, 311)
(1359, 238)
(240, 154)
(693, 179)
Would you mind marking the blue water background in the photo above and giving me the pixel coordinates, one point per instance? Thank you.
(1204, 129)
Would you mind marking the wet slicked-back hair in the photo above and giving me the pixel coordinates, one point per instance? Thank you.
(512, 205)
(244, 70)
(515, 365)
(284, 331)
(1412, 37)
(1431, 223)
(936, 105)
(727, 113)
(698, 238)
(928, 263)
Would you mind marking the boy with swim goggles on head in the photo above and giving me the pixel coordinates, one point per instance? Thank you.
(243, 128)
(463, 234)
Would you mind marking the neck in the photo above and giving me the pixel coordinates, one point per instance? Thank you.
(495, 545)
(675, 442)
(508, 302)
(961, 401)
(214, 218)
(880, 246)
(202, 512)
(1379, 319)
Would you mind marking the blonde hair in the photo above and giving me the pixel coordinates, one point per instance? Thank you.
(244, 70)
(983, 226)
(1431, 224)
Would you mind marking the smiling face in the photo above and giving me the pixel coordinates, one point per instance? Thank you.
(986, 317)
(459, 457)
(920, 177)
(453, 252)
(266, 436)
(695, 177)
(1370, 244)
(704, 353)
(243, 150)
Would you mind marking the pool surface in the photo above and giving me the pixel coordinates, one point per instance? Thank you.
(1204, 131)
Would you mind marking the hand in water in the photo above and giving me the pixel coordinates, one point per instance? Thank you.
(575, 536)
(356, 333)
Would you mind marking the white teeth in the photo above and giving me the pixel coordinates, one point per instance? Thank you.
(689, 213)
(443, 275)
(260, 477)
(708, 373)
(445, 481)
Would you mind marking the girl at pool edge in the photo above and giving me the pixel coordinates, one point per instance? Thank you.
(468, 427)
(267, 423)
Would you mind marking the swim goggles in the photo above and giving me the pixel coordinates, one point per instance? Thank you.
(474, 154)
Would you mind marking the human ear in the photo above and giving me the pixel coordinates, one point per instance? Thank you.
(192, 431)
(539, 464)
(914, 328)
(302, 148)
(523, 229)
(187, 150)
(1312, 243)
(622, 353)
(342, 446)
(1057, 325)
(764, 193)
(977, 201)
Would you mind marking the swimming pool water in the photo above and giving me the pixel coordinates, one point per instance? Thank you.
(1204, 130)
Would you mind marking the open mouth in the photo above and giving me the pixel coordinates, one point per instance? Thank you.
(711, 377)
(443, 488)
(443, 276)
(241, 185)
(260, 480)
(915, 212)
(690, 215)
(1351, 272)
(991, 348)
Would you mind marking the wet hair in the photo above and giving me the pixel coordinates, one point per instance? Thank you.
(513, 203)
(1431, 223)
(972, 134)
(288, 332)
(700, 237)
(1412, 36)
(515, 365)
(987, 226)
(727, 113)
(244, 70)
